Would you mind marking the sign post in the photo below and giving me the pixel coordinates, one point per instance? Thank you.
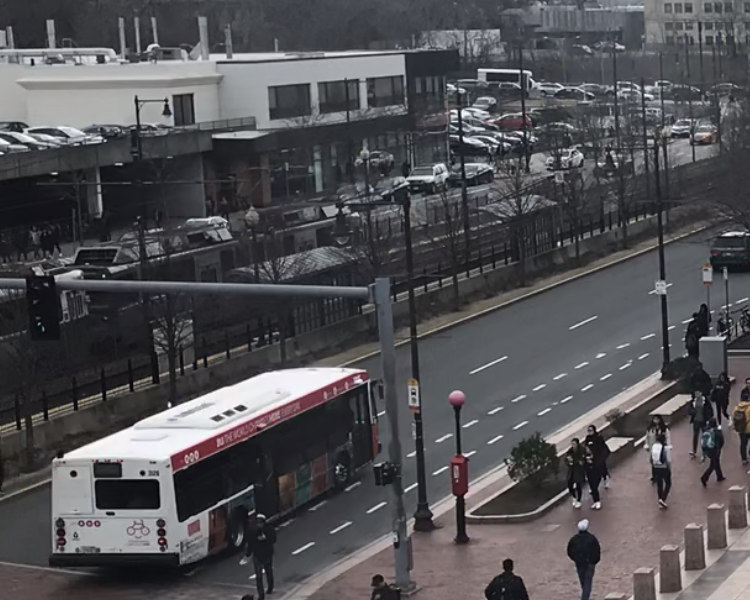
(708, 279)
(415, 403)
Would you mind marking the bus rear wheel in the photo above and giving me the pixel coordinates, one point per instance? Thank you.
(342, 471)
(236, 529)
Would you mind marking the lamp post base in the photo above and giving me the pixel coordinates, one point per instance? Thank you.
(423, 520)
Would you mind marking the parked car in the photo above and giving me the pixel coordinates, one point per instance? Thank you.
(476, 174)
(379, 159)
(106, 131)
(8, 148)
(546, 88)
(608, 46)
(470, 146)
(683, 128)
(51, 141)
(152, 128)
(574, 94)
(68, 135)
(498, 146)
(508, 89)
(13, 137)
(388, 187)
(731, 249)
(581, 50)
(683, 93)
(571, 158)
(467, 129)
(17, 126)
(620, 163)
(726, 89)
(512, 122)
(487, 104)
(594, 88)
(704, 135)
(428, 178)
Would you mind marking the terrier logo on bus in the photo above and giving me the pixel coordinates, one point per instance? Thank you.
(138, 530)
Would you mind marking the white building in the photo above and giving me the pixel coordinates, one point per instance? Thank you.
(670, 22)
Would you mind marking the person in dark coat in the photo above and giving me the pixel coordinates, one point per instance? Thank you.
(700, 381)
(585, 552)
(382, 590)
(599, 453)
(701, 412)
(703, 321)
(692, 337)
(577, 459)
(712, 442)
(507, 585)
(720, 396)
(745, 391)
(261, 539)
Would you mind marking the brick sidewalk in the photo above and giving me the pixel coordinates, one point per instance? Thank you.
(630, 527)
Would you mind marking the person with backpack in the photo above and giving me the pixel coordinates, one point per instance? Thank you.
(656, 427)
(741, 424)
(661, 466)
(720, 396)
(585, 552)
(712, 442)
(701, 413)
(507, 585)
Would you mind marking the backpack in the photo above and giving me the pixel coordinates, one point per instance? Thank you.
(739, 420)
(708, 440)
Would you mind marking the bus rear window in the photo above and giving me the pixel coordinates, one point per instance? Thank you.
(127, 494)
(730, 242)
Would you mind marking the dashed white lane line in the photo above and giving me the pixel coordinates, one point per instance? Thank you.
(521, 424)
(518, 398)
(559, 377)
(626, 365)
(318, 506)
(376, 507)
(605, 377)
(686, 321)
(440, 470)
(341, 527)
(652, 292)
(583, 364)
(623, 346)
(356, 484)
(566, 399)
(494, 411)
(540, 387)
(447, 436)
(741, 300)
(543, 412)
(601, 355)
(286, 523)
(671, 327)
(582, 323)
(253, 576)
(470, 423)
(642, 356)
(470, 454)
(488, 365)
(411, 454)
(307, 546)
(413, 486)
(381, 413)
(587, 388)
(495, 439)
(648, 337)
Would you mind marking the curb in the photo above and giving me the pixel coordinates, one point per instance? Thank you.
(531, 294)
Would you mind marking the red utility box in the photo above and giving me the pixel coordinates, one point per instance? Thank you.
(460, 475)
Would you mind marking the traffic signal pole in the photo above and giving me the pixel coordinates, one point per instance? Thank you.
(379, 293)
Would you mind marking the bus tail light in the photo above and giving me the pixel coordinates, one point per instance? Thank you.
(60, 533)
(162, 533)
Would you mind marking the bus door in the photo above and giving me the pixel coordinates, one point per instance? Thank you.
(359, 404)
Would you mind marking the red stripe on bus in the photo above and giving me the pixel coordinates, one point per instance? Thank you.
(244, 431)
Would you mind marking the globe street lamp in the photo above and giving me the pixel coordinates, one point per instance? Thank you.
(252, 219)
(457, 399)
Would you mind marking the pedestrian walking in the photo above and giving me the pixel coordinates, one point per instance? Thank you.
(507, 585)
(741, 424)
(600, 452)
(703, 321)
(577, 458)
(745, 391)
(720, 396)
(692, 338)
(701, 413)
(661, 464)
(700, 381)
(585, 552)
(655, 428)
(382, 590)
(261, 539)
(54, 239)
(712, 442)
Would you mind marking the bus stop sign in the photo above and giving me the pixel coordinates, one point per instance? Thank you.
(708, 275)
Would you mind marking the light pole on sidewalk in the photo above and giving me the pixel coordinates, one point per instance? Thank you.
(457, 399)
(662, 286)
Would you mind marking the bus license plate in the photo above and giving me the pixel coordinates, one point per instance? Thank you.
(89, 550)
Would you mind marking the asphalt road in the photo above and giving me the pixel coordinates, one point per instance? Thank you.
(533, 366)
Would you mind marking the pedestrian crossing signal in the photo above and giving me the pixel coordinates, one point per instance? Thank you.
(43, 306)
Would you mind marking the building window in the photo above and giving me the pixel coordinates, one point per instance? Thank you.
(688, 26)
(688, 7)
(669, 26)
(717, 7)
(747, 7)
(708, 25)
(678, 26)
(667, 7)
(670, 40)
(709, 40)
(728, 7)
(289, 101)
(334, 97)
(385, 91)
(183, 108)
(678, 7)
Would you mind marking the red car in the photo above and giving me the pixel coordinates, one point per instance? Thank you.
(511, 122)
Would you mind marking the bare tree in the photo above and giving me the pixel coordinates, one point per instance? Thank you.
(576, 194)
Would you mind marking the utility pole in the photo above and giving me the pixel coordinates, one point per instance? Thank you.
(662, 262)
(645, 139)
(524, 89)
(700, 54)
(349, 142)
(464, 188)
(617, 102)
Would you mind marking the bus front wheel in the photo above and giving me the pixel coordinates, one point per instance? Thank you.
(236, 529)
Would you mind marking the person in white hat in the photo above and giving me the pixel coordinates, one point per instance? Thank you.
(585, 552)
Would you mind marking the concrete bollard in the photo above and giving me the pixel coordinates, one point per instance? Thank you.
(695, 552)
(644, 585)
(717, 527)
(670, 576)
(737, 507)
(616, 596)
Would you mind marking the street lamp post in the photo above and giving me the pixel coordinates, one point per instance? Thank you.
(662, 262)
(457, 399)
(342, 234)
(139, 103)
(252, 219)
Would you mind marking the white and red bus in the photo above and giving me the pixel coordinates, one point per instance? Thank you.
(178, 486)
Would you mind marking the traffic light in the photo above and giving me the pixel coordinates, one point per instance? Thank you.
(43, 306)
